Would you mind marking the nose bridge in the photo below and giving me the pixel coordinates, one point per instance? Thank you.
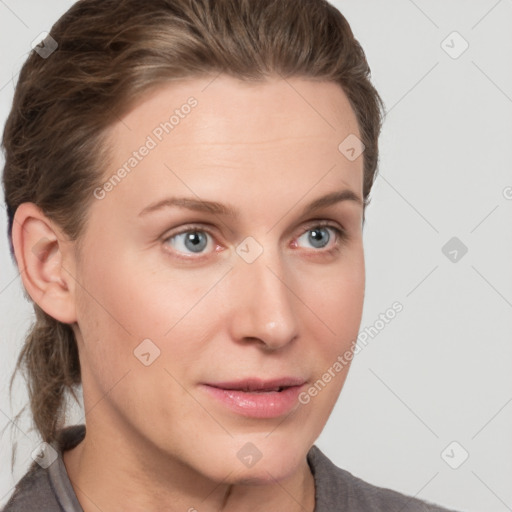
(264, 307)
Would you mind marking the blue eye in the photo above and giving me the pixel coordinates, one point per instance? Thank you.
(193, 241)
(319, 236)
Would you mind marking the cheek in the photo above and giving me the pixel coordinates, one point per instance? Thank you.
(129, 301)
(338, 300)
(339, 306)
(336, 303)
(129, 298)
(111, 315)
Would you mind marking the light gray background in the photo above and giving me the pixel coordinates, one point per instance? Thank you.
(441, 370)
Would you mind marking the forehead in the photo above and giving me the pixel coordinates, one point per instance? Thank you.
(246, 107)
(209, 135)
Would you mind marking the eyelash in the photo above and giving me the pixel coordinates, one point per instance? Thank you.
(341, 236)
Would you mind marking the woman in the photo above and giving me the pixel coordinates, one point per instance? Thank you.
(186, 184)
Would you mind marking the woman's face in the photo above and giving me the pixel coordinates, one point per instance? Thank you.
(179, 299)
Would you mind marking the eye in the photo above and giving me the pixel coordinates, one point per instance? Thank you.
(193, 241)
(322, 235)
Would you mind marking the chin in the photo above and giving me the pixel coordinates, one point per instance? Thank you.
(257, 460)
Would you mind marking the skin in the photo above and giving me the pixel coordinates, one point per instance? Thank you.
(155, 440)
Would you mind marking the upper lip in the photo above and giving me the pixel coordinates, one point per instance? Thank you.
(256, 384)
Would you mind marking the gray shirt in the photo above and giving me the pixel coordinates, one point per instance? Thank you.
(50, 489)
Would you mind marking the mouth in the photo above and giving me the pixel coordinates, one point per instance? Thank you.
(253, 385)
(258, 398)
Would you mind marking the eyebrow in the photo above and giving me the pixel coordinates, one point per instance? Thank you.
(216, 208)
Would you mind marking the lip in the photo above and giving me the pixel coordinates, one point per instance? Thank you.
(257, 398)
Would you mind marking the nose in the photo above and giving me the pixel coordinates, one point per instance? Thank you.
(263, 303)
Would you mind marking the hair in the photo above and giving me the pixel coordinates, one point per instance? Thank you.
(112, 52)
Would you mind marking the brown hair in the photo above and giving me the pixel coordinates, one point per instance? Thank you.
(110, 52)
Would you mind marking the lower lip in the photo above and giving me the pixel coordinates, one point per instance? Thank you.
(271, 404)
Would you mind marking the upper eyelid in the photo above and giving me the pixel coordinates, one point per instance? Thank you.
(206, 227)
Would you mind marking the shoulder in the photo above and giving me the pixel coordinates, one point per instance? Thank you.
(337, 489)
(46, 487)
(33, 492)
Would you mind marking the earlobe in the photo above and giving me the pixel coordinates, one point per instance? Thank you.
(43, 257)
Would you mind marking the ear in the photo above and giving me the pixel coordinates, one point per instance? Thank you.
(45, 259)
